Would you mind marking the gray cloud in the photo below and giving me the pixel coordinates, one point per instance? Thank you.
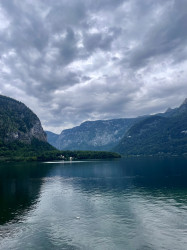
(166, 36)
(72, 61)
(99, 40)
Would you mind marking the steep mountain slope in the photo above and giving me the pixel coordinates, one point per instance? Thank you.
(51, 137)
(166, 134)
(21, 132)
(18, 123)
(93, 135)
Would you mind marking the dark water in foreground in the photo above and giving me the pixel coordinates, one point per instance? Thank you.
(121, 204)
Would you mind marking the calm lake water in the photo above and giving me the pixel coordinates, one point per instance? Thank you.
(120, 204)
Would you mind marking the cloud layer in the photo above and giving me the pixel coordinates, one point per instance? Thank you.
(77, 60)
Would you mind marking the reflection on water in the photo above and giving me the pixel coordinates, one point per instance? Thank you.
(19, 189)
(120, 204)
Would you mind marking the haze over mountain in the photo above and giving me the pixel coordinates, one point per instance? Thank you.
(92, 135)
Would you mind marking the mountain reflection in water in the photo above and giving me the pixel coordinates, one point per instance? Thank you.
(119, 204)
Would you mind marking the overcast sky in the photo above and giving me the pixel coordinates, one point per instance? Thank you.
(77, 60)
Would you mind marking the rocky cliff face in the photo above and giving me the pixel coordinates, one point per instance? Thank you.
(18, 122)
(92, 135)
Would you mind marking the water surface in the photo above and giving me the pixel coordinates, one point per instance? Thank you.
(119, 204)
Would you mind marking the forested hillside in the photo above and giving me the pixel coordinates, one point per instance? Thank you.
(158, 134)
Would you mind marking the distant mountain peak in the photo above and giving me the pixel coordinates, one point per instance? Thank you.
(168, 110)
(185, 102)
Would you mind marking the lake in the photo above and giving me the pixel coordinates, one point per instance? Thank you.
(117, 204)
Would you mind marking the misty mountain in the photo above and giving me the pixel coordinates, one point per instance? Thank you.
(92, 135)
(51, 137)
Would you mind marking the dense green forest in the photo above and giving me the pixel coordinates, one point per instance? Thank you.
(42, 151)
(156, 135)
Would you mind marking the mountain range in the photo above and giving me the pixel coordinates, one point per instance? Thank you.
(92, 135)
(22, 137)
(158, 134)
(162, 133)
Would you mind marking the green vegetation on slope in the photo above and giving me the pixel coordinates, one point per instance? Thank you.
(14, 116)
(42, 151)
(156, 135)
(18, 122)
(22, 151)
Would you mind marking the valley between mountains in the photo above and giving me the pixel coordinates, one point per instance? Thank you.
(159, 134)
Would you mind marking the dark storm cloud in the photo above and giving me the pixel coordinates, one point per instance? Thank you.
(166, 36)
(74, 60)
